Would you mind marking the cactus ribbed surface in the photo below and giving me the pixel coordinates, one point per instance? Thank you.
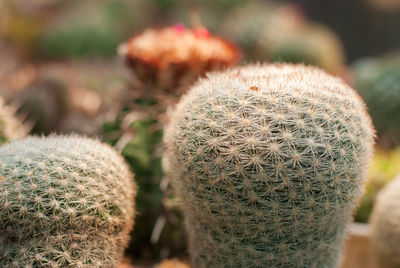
(385, 222)
(65, 201)
(269, 163)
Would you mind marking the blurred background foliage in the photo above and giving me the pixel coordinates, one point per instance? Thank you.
(59, 68)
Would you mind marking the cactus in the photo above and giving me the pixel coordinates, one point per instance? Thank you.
(378, 82)
(11, 128)
(65, 201)
(384, 168)
(276, 32)
(385, 225)
(269, 162)
(45, 102)
(174, 57)
(90, 29)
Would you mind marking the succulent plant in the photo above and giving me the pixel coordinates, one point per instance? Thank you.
(65, 201)
(11, 128)
(281, 33)
(90, 29)
(385, 222)
(173, 57)
(378, 82)
(269, 162)
(45, 103)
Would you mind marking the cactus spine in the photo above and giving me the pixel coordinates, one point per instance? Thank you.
(64, 202)
(269, 162)
(385, 222)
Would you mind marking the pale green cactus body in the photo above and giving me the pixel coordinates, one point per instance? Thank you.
(64, 202)
(269, 162)
(385, 223)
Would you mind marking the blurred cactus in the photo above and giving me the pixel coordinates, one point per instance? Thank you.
(11, 128)
(64, 202)
(269, 163)
(89, 29)
(45, 104)
(385, 222)
(173, 57)
(385, 166)
(281, 33)
(378, 82)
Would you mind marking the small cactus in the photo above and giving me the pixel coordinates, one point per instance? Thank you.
(174, 57)
(269, 162)
(11, 128)
(378, 82)
(281, 33)
(64, 202)
(385, 222)
(45, 103)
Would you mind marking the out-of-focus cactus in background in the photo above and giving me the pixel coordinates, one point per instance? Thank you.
(174, 57)
(281, 32)
(92, 28)
(378, 82)
(385, 166)
(385, 225)
(44, 102)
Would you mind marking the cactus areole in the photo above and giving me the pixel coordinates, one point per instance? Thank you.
(64, 202)
(269, 162)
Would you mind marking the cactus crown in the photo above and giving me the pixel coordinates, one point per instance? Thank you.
(385, 222)
(269, 161)
(64, 201)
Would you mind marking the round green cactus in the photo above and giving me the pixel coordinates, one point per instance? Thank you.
(281, 33)
(10, 127)
(269, 162)
(64, 202)
(385, 222)
(378, 82)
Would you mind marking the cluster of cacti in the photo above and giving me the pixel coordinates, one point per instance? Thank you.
(378, 82)
(385, 224)
(173, 57)
(269, 162)
(64, 202)
(11, 128)
(165, 61)
(281, 33)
